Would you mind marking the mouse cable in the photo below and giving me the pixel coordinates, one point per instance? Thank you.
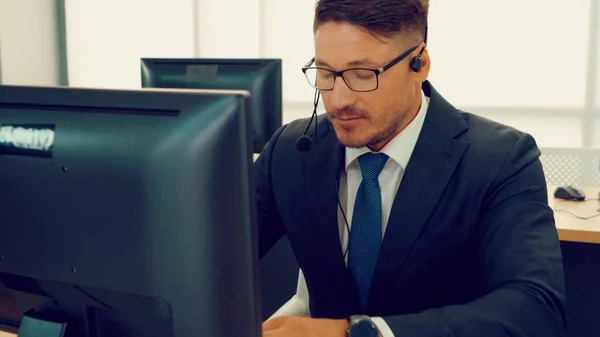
(576, 215)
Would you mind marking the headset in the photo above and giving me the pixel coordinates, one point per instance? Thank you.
(304, 143)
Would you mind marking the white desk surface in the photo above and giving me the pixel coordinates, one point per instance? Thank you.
(570, 227)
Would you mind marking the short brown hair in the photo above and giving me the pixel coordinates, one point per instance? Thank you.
(382, 17)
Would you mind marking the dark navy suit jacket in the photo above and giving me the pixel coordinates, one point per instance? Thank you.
(471, 247)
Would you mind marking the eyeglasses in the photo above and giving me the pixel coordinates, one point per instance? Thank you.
(357, 79)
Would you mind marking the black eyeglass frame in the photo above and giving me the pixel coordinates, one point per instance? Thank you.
(340, 73)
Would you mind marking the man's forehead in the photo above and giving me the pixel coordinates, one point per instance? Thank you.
(347, 55)
(340, 45)
(359, 62)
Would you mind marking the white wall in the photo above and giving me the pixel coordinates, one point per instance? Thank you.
(29, 49)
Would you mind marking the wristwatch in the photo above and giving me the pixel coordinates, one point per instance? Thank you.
(361, 326)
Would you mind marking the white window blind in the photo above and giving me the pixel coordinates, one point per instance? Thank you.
(510, 53)
(288, 35)
(228, 28)
(28, 48)
(499, 57)
(596, 141)
(107, 38)
(597, 56)
(526, 68)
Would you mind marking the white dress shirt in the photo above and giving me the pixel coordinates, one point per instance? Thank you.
(399, 151)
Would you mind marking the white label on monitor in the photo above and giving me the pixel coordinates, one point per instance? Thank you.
(30, 140)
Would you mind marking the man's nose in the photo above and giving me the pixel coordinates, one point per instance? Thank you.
(341, 96)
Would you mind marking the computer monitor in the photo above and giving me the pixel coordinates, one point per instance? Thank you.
(127, 212)
(260, 77)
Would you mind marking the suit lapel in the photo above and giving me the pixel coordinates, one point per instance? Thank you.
(433, 161)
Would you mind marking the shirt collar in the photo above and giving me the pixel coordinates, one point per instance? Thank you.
(400, 148)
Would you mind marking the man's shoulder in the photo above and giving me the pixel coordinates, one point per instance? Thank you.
(483, 128)
(494, 146)
(487, 134)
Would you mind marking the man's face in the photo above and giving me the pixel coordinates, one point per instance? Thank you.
(368, 118)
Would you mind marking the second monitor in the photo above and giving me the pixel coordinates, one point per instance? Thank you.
(261, 77)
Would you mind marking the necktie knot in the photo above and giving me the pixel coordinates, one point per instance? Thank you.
(371, 164)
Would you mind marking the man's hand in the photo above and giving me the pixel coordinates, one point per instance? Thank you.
(293, 326)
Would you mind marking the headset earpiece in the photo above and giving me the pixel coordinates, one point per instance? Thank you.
(415, 64)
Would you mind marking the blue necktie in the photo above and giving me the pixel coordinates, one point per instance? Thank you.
(365, 235)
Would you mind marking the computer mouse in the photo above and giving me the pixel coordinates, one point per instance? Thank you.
(569, 192)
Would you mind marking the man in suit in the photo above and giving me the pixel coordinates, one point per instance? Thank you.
(407, 216)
